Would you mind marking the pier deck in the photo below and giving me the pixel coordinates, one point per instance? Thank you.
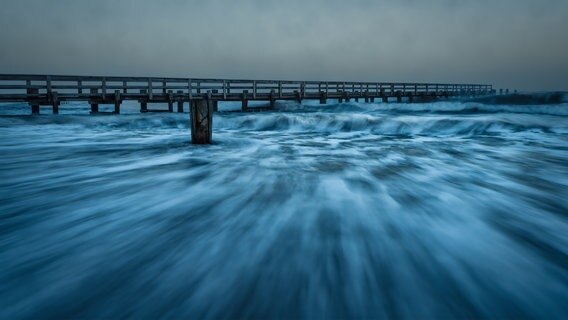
(204, 94)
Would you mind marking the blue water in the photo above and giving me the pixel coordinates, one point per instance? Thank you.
(429, 211)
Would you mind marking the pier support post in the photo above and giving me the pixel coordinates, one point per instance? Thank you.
(398, 97)
(272, 99)
(170, 101)
(117, 101)
(55, 102)
(245, 101)
(33, 93)
(298, 96)
(180, 101)
(94, 104)
(366, 95)
(385, 99)
(372, 99)
(201, 120)
(346, 96)
(143, 102)
(323, 97)
(215, 101)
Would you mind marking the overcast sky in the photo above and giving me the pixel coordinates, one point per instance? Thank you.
(517, 44)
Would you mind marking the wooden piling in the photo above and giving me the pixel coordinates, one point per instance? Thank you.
(143, 102)
(244, 101)
(323, 97)
(55, 102)
(180, 101)
(202, 120)
(298, 96)
(215, 101)
(272, 99)
(170, 101)
(93, 101)
(33, 93)
(117, 101)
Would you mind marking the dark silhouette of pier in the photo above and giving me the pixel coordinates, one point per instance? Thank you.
(203, 95)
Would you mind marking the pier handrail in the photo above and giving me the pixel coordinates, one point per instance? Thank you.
(19, 86)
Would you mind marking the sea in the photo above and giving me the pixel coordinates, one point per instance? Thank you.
(442, 210)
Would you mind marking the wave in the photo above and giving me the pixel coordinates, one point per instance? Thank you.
(525, 99)
(385, 125)
(443, 118)
(435, 108)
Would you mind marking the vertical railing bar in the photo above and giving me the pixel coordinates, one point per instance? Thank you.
(224, 90)
(254, 89)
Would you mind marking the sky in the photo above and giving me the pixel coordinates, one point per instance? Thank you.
(516, 44)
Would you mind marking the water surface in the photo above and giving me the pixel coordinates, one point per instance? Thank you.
(439, 210)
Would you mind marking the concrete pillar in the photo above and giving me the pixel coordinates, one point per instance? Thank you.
(143, 102)
(385, 99)
(117, 101)
(170, 101)
(372, 99)
(340, 100)
(346, 96)
(398, 98)
(201, 120)
(55, 102)
(245, 101)
(180, 101)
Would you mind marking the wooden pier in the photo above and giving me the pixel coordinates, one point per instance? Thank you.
(203, 95)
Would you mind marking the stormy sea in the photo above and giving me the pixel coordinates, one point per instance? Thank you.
(453, 209)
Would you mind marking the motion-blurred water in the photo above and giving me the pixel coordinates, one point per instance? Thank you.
(344, 211)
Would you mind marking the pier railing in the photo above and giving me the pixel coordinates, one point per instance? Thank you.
(41, 87)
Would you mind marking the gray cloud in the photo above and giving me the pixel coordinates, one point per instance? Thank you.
(517, 44)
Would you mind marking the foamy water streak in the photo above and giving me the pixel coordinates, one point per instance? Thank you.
(343, 211)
